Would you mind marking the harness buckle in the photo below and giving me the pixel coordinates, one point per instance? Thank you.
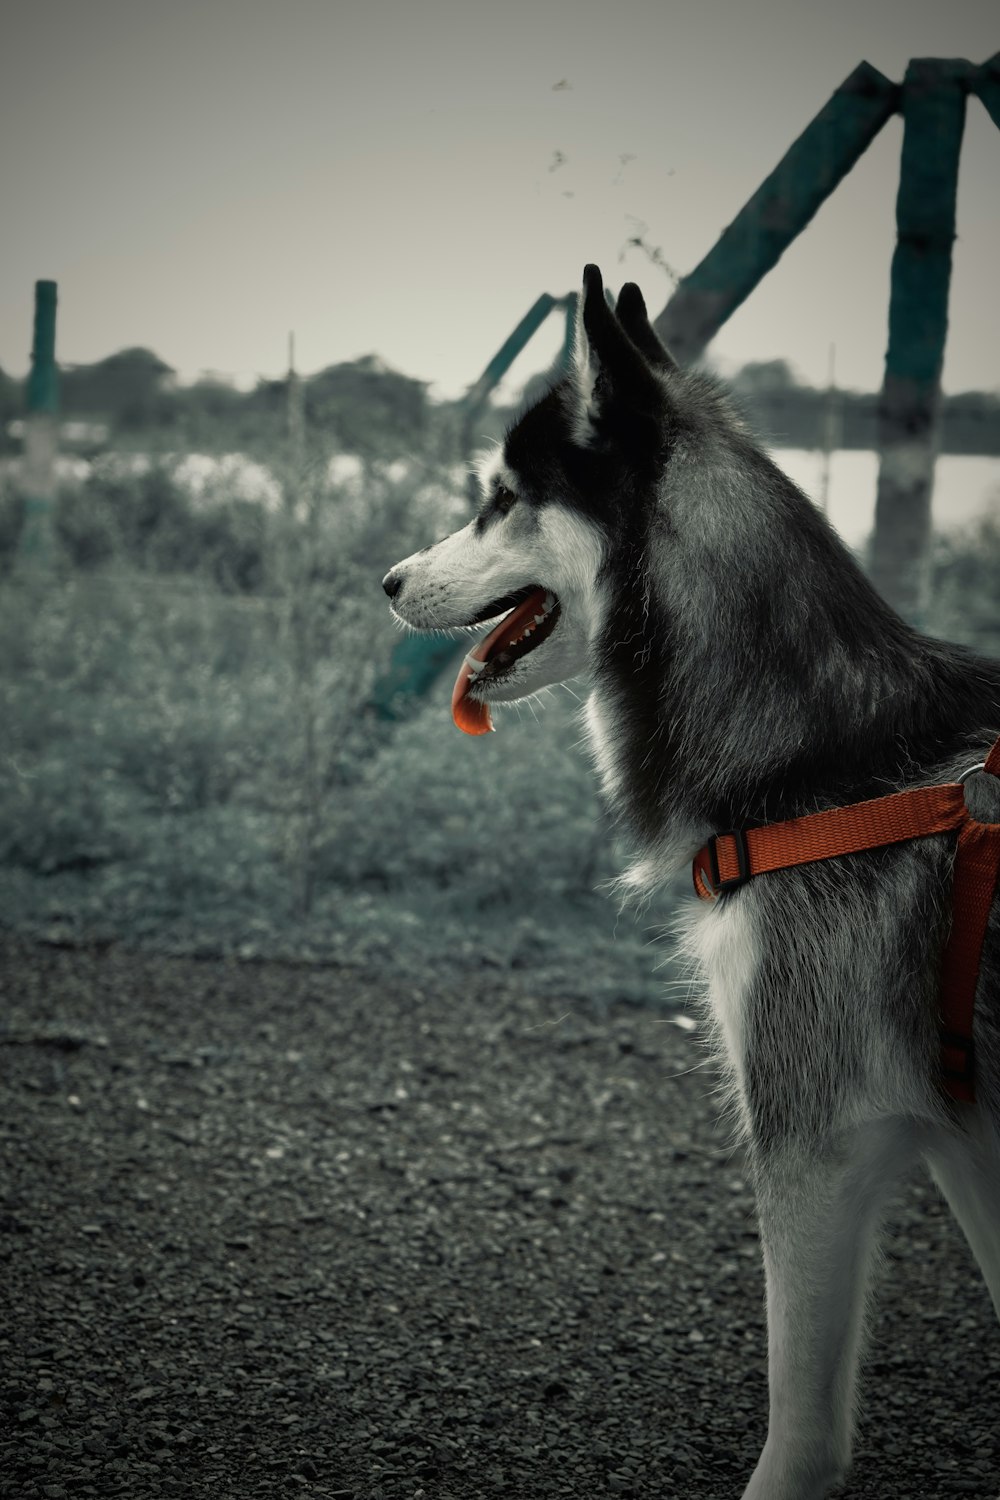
(718, 884)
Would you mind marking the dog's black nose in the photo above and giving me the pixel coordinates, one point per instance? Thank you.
(392, 583)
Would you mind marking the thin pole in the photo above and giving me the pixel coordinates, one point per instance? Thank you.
(831, 429)
(38, 463)
(296, 412)
(934, 93)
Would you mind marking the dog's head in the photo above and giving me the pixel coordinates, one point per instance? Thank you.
(565, 480)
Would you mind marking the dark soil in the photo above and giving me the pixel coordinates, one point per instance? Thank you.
(270, 1231)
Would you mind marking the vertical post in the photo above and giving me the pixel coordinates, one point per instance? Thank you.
(478, 393)
(37, 480)
(296, 403)
(831, 430)
(933, 110)
(298, 542)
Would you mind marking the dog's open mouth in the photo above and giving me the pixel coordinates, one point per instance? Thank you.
(533, 617)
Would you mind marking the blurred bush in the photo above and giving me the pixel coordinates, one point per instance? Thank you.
(53, 818)
(965, 586)
(12, 511)
(148, 520)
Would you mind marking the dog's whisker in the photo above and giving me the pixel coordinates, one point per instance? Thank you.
(694, 1068)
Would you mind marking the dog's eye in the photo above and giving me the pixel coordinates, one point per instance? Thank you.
(504, 500)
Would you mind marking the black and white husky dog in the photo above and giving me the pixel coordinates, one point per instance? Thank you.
(743, 671)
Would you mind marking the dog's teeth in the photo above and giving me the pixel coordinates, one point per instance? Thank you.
(539, 619)
(549, 603)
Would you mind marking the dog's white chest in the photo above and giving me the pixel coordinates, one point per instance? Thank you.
(721, 939)
(597, 727)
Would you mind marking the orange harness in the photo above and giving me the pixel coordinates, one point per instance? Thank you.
(730, 859)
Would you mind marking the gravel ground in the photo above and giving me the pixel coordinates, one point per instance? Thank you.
(277, 1231)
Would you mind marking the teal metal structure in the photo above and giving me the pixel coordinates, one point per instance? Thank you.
(931, 100)
(43, 379)
(778, 211)
(479, 392)
(986, 85)
(933, 108)
(37, 484)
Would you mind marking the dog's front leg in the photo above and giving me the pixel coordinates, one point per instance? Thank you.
(818, 1212)
(967, 1170)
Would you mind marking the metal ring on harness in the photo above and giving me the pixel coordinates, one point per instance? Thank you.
(979, 766)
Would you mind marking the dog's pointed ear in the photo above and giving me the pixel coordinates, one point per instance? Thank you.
(612, 375)
(632, 315)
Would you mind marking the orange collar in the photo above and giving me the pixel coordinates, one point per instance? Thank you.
(730, 859)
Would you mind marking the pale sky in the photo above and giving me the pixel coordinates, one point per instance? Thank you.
(202, 178)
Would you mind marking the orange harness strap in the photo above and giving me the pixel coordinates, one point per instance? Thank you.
(730, 859)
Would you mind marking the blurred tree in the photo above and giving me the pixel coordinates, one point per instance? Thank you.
(11, 407)
(129, 389)
(213, 399)
(965, 594)
(362, 405)
(765, 377)
(971, 422)
(367, 407)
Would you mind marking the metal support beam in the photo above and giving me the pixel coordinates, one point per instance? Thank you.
(933, 109)
(986, 83)
(478, 393)
(416, 663)
(782, 206)
(932, 100)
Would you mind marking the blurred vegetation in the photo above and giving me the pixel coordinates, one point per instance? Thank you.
(11, 408)
(367, 408)
(188, 754)
(965, 599)
(793, 415)
(362, 405)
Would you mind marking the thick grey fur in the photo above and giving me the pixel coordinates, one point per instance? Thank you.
(744, 671)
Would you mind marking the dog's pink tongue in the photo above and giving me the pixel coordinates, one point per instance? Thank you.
(472, 716)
